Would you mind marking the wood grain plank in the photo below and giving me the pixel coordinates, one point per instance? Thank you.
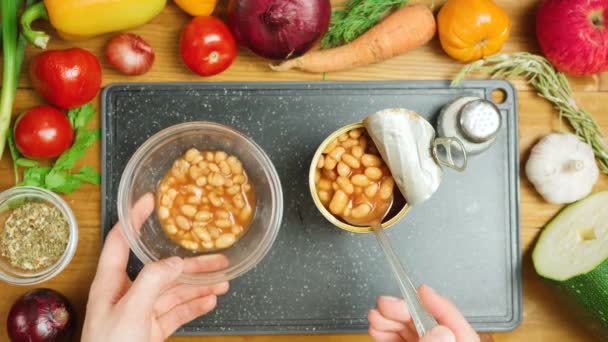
(543, 317)
(537, 119)
(427, 62)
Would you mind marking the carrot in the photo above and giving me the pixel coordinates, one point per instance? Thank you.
(404, 30)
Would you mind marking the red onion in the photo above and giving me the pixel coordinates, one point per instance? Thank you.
(130, 54)
(41, 315)
(279, 29)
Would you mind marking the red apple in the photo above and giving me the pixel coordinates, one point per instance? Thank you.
(573, 35)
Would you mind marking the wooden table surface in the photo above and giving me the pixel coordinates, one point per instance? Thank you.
(544, 319)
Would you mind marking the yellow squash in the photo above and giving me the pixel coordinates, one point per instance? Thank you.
(80, 19)
(472, 29)
(197, 7)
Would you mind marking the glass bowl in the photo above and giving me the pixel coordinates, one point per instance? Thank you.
(19, 195)
(154, 158)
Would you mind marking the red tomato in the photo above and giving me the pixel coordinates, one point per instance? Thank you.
(43, 132)
(207, 46)
(66, 78)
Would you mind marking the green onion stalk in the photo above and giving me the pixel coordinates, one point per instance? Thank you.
(9, 77)
(550, 84)
(13, 48)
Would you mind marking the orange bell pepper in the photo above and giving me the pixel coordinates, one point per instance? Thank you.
(197, 7)
(472, 29)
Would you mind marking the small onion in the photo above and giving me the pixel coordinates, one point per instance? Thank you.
(41, 315)
(279, 29)
(130, 54)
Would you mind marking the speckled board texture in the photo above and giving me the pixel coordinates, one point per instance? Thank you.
(317, 278)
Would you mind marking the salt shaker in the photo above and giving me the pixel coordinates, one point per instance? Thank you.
(474, 121)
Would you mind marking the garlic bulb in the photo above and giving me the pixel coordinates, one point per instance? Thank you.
(562, 168)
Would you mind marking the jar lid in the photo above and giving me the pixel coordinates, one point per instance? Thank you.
(474, 121)
(479, 120)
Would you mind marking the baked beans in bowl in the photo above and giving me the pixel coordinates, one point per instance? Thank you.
(206, 201)
(216, 191)
(348, 179)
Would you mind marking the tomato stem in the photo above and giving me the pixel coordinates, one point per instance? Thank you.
(214, 57)
(39, 39)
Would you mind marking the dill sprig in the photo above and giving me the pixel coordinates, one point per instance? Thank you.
(550, 84)
(356, 18)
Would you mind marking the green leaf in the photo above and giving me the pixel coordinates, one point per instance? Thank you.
(84, 139)
(60, 181)
(88, 175)
(72, 115)
(64, 182)
(30, 182)
(55, 179)
(35, 176)
(24, 162)
(79, 117)
(72, 184)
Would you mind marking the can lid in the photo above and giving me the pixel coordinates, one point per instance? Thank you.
(479, 120)
(405, 140)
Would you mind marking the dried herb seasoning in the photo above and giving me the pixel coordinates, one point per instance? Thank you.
(34, 236)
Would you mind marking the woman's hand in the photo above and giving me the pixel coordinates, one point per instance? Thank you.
(392, 322)
(153, 306)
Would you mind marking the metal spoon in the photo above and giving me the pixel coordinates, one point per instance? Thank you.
(423, 321)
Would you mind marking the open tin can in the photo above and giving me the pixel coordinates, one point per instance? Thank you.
(400, 207)
(408, 145)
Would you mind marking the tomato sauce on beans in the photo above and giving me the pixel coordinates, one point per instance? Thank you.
(351, 179)
(205, 202)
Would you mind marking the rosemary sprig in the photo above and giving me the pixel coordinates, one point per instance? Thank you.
(550, 84)
(356, 18)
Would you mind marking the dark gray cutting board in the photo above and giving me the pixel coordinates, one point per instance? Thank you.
(317, 278)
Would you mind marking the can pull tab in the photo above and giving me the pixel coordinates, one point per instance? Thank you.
(450, 144)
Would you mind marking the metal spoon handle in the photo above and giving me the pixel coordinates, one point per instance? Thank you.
(422, 320)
